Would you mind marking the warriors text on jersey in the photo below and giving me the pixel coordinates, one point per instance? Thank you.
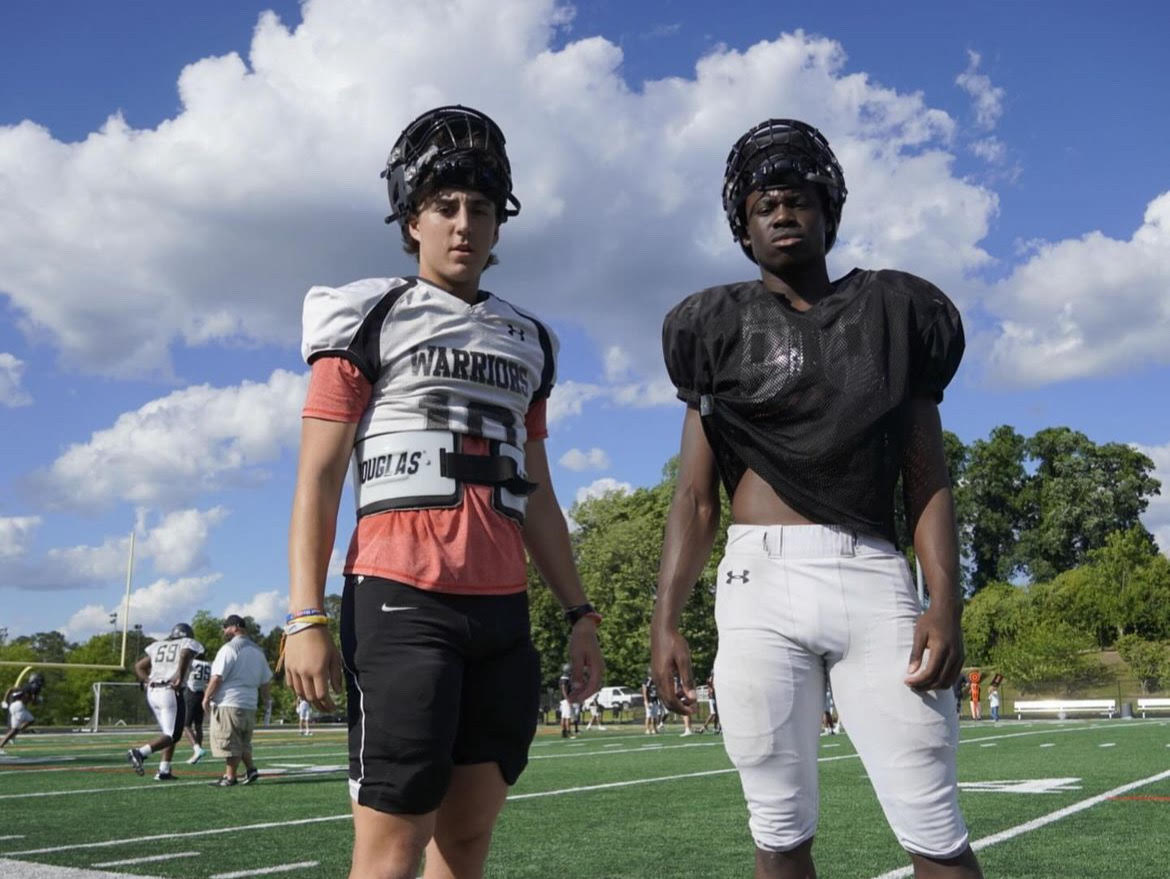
(166, 657)
(397, 355)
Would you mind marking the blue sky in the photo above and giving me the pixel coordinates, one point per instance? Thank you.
(174, 177)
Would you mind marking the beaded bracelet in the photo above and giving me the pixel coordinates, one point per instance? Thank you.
(307, 612)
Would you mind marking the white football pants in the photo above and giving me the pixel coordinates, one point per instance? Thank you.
(793, 602)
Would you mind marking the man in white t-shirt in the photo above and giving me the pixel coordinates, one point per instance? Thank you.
(240, 672)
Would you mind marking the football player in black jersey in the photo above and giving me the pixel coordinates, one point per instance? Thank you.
(18, 699)
(808, 398)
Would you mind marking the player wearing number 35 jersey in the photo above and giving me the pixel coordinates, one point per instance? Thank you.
(163, 668)
(431, 392)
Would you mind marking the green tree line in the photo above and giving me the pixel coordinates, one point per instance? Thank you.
(1056, 564)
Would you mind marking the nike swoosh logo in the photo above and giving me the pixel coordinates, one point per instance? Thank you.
(388, 609)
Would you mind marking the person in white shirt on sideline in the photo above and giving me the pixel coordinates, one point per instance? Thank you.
(239, 671)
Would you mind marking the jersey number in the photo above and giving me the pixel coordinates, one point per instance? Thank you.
(170, 650)
(202, 672)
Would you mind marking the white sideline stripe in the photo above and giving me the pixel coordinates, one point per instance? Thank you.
(640, 750)
(1037, 823)
(146, 859)
(189, 834)
(263, 871)
(269, 824)
(13, 836)
(25, 870)
(298, 754)
(283, 773)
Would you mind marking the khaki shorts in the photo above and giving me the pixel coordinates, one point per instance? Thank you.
(231, 731)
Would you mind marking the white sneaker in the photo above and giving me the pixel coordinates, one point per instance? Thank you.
(685, 732)
(602, 728)
(198, 755)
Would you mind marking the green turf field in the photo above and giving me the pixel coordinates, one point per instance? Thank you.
(1043, 800)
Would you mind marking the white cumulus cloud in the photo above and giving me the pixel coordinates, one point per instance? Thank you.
(594, 459)
(15, 533)
(602, 487)
(987, 98)
(266, 608)
(191, 441)
(205, 229)
(11, 375)
(1157, 515)
(1085, 307)
(156, 608)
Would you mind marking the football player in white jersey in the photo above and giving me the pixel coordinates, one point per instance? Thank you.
(439, 390)
(197, 679)
(163, 670)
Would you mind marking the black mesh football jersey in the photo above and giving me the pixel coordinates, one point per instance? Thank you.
(814, 401)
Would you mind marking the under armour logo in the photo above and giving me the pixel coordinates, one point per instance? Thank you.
(742, 576)
(512, 331)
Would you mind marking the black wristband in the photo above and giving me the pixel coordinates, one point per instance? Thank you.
(573, 614)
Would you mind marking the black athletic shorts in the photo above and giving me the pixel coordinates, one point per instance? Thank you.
(433, 681)
(194, 703)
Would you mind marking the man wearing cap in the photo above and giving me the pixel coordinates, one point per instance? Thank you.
(239, 671)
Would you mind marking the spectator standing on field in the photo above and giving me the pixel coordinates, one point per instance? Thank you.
(240, 677)
(993, 702)
(304, 715)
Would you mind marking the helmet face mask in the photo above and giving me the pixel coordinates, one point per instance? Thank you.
(778, 152)
(449, 146)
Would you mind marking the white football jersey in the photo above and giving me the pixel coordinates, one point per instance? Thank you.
(165, 657)
(199, 675)
(435, 362)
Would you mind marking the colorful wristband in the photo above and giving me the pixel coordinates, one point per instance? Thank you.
(301, 626)
(307, 612)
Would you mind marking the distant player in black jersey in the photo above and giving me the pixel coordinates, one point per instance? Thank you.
(438, 392)
(18, 699)
(809, 398)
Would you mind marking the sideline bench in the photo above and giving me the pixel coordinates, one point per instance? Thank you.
(1144, 705)
(1064, 707)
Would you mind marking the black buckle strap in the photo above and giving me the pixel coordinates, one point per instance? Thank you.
(485, 470)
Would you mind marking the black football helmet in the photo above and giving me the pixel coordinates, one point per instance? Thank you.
(454, 146)
(778, 151)
(35, 682)
(181, 630)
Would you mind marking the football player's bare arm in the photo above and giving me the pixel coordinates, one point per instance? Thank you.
(142, 669)
(311, 660)
(686, 546)
(547, 538)
(931, 512)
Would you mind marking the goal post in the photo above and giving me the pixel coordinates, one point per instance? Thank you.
(30, 665)
(119, 704)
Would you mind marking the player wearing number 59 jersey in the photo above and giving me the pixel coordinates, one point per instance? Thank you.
(163, 668)
(432, 392)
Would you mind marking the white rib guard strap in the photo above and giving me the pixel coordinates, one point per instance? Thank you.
(421, 469)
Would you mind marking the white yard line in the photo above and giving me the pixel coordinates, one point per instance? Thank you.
(25, 870)
(146, 859)
(264, 871)
(244, 828)
(1043, 820)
